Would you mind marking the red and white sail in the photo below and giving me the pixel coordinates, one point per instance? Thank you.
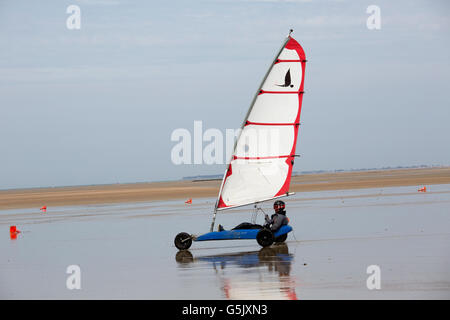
(261, 165)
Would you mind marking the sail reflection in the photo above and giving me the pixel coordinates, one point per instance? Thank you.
(263, 274)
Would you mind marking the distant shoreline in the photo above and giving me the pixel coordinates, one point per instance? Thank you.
(185, 189)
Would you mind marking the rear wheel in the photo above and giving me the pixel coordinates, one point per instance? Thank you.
(265, 238)
(281, 238)
(183, 241)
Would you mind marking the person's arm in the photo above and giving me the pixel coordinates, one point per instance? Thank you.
(268, 220)
(277, 221)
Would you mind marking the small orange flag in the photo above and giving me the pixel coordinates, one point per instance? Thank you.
(13, 232)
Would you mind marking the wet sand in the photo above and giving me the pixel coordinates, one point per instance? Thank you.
(126, 251)
(144, 192)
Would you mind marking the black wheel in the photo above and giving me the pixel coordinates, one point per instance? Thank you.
(281, 238)
(183, 241)
(264, 237)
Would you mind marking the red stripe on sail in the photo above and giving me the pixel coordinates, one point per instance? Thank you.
(279, 92)
(248, 123)
(261, 158)
(221, 203)
(294, 45)
(278, 61)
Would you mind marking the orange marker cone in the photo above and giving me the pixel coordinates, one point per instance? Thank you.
(13, 232)
(189, 201)
(44, 209)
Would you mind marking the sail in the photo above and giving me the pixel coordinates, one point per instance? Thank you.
(261, 166)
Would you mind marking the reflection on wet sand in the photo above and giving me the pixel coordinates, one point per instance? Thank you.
(263, 274)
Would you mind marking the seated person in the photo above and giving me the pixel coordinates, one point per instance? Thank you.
(275, 222)
(278, 219)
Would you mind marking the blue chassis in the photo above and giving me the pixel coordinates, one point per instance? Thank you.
(239, 234)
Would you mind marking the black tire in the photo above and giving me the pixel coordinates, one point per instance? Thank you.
(183, 241)
(265, 238)
(281, 238)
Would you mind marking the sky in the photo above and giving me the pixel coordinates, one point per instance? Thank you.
(98, 105)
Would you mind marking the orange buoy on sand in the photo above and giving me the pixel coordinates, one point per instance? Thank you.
(424, 189)
(13, 232)
(189, 201)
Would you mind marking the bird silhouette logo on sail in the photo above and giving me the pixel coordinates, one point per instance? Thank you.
(287, 80)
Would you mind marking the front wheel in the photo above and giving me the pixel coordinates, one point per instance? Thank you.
(265, 238)
(183, 241)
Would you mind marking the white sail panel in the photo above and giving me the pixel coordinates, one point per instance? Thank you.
(259, 141)
(254, 180)
(264, 111)
(261, 166)
(284, 77)
(288, 54)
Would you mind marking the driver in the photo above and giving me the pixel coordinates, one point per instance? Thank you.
(279, 218)
(274, 223)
